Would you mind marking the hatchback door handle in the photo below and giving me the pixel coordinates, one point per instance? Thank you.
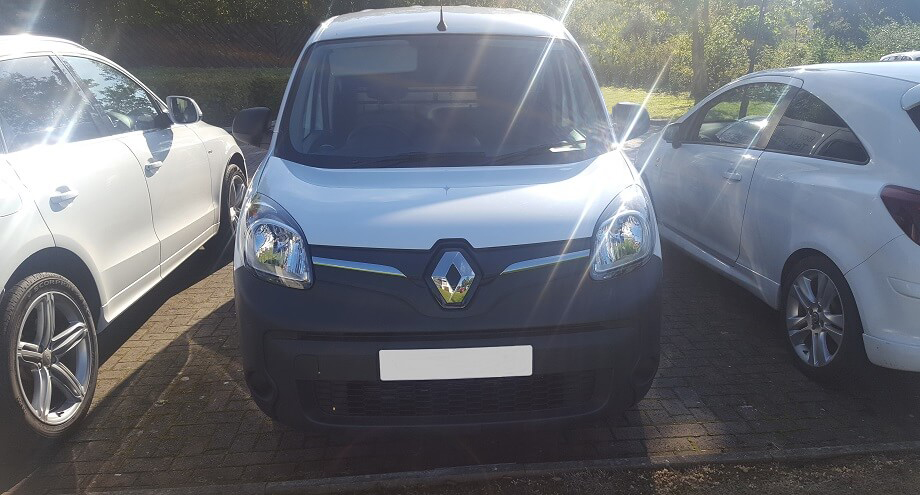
(64, 195)
(153, 166)
(731, 176)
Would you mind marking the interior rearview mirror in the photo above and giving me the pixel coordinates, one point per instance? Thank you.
(183, 110)
(630, 120)
(252, 125)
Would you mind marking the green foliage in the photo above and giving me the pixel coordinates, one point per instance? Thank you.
(892, 37)
(631, 43)
(220, 93)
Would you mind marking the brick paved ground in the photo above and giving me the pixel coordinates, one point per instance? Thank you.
(172, 409)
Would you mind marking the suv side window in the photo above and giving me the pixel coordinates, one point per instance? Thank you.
(126, 105)
(39, 105)
(811, 128)
(739, 116)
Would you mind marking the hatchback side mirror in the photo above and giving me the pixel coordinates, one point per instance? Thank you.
(630, 118)
(183, 110)
(251, 125)
(672, 134)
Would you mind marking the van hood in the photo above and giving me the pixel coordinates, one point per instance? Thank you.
(413, 208)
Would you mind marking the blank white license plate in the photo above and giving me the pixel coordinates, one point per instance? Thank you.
(451, 364)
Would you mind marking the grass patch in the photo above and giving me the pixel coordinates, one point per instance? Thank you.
(660, 106)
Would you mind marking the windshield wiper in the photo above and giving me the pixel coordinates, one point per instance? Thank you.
(415, 157)
(537, 151)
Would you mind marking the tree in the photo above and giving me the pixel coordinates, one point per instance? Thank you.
(758, 37)
(699, 29)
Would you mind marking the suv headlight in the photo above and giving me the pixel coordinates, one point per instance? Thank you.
(274, 246)
(625, 237)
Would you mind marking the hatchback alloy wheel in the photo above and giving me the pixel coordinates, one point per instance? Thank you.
(815, 318)
(54, 358)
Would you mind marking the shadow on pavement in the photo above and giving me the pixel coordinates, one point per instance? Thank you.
(18, 461)
(173, 409)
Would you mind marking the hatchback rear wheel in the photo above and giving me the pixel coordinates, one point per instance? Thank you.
(822, 323)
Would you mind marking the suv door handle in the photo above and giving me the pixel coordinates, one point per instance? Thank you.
(731, 176)
(64, 195)
(153, 166)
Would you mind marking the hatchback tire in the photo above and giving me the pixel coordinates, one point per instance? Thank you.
(821, 321)
(50, 357)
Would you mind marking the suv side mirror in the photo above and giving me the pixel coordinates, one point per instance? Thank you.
(672, 134)
(630, 117)
(251, 125)
(183, 110)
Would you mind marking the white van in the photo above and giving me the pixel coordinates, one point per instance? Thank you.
(444, 231)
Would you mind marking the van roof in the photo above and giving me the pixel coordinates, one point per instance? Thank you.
(424, 20)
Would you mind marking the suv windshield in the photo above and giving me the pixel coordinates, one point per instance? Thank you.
(443, 100)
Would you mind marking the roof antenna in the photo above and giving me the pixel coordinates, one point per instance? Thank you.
(441, 26)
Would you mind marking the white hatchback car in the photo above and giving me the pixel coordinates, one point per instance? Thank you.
(104, 190)
(802, 185)
(444, 232)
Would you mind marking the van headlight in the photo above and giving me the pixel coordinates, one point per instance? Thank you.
(274, 246)
(625, 237)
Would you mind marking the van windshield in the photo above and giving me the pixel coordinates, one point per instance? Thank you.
(443, 100)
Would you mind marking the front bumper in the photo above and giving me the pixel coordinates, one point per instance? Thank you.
(311, 356)
(887, 290)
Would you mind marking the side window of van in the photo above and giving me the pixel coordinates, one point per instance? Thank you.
(811, 128)
(39, 105)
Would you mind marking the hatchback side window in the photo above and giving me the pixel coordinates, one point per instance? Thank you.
(811, 128)
(739, 116)
(39, 105)
(125, 103)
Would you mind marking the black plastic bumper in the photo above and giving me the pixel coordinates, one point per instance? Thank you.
(311, 356)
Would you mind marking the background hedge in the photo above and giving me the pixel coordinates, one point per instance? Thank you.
(220, 93)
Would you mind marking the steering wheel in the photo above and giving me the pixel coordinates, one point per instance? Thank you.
(119, 119)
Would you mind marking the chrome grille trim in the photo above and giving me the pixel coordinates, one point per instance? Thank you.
(546, 261)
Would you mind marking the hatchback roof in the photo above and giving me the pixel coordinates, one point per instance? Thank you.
(905, 71)
(424, 20)
(25, 43)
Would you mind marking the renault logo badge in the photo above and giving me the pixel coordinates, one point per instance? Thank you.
(453, 279)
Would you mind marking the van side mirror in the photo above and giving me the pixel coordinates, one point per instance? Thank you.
(252, 125)
(672, 134)
(183, 110)
(630, 118)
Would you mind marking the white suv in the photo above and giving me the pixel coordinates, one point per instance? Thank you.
(803, 186)
(444, 232)
(104, 189)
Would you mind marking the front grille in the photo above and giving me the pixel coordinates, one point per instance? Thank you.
(454, 397)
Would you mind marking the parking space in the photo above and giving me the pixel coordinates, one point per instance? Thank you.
(172, 408)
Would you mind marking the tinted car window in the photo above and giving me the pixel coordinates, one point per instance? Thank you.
(126, 104)
(39, 105)
(914, 114)
(740, 115)
(443, 100)
(811, 128)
